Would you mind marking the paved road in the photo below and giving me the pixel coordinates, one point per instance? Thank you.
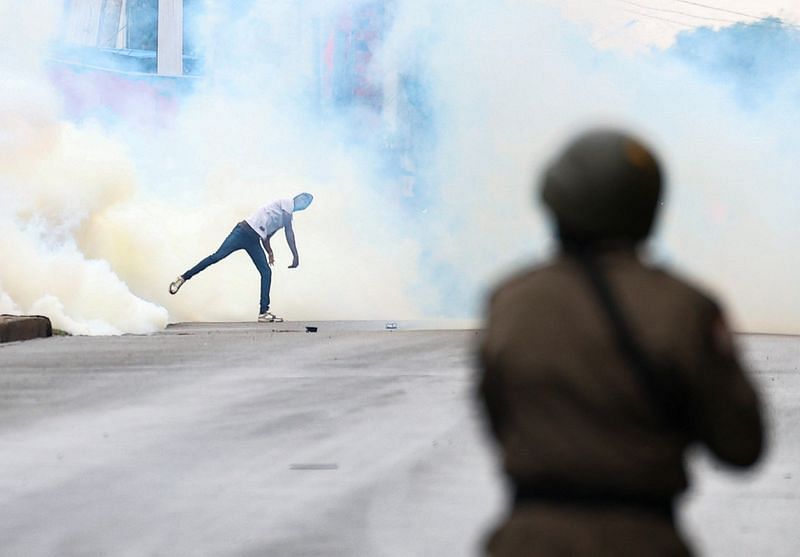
(240, 439)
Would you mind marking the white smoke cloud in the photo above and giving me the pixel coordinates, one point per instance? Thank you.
(512, 81)
(56, 179)
(104, 216)
(98, 218)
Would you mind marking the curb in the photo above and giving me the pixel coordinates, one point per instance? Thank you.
(24, 327)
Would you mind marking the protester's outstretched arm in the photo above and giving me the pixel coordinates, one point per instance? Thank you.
(292, 245)
(268, 249)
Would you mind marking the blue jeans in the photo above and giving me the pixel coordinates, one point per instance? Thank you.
(241, 237)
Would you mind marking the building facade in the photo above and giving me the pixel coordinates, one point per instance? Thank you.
(136, 57)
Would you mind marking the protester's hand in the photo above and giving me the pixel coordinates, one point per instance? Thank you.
(295, 264)
(271, 260)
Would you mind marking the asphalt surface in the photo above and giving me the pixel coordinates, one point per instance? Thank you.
(249, 440)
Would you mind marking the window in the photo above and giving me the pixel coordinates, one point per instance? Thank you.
(142, 24)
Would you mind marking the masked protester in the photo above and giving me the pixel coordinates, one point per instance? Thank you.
(253, 235)
(598, 371)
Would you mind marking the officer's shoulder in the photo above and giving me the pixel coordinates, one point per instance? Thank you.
(523, 281)
(681, 287)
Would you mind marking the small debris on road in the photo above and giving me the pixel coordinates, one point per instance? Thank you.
(312, 466)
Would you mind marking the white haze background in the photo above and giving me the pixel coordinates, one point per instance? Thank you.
(97, 218)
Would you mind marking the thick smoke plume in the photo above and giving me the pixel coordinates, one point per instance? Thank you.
(100, 213)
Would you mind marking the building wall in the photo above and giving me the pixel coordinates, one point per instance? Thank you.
(109, 25)
(170, 37)
(82, 21)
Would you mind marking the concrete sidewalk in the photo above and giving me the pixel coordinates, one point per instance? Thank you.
(240, 439)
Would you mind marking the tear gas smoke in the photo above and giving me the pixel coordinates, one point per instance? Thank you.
(98, 215)
(510, 84)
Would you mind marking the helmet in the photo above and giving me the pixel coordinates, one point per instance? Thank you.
(605, 185)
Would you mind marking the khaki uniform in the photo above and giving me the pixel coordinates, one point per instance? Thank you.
(580, 436)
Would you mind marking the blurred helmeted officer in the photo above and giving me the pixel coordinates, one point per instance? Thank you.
(598, 371)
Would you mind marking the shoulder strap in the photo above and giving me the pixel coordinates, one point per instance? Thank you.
(662, 392)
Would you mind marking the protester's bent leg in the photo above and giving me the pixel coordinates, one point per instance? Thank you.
(232, 243)
(260, 260)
